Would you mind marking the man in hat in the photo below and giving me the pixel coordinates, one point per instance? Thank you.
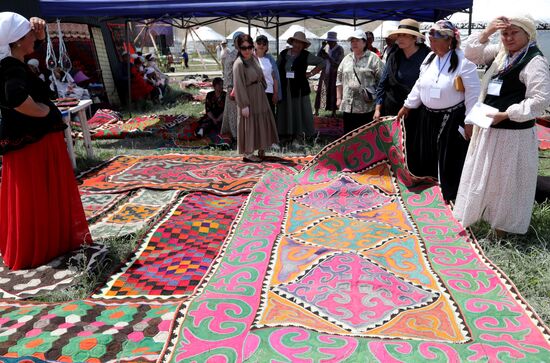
(326, 90)
(221, 49)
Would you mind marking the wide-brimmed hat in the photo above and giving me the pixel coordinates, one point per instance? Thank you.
(358, 34)
(300, 37)
(408, 26)
(332, 37)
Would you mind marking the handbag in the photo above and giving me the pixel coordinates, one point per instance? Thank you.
(367, 92)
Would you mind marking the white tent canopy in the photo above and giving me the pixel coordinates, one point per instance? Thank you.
(207, 34)
(383, 29)
(254, 32)
(483, 11)
(297, 28)
(343, 32)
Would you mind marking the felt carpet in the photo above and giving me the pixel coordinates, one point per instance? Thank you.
(543, 134)
(57, 274)
(96, 204)
(137, 126)
(135, 214)
(86, 331)
(216, 174)
(352, 259)
(329, 126)
(174, 258)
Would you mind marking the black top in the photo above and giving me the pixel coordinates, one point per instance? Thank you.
(17, 82)
(299, 85)
(512, 91)
(399, 76)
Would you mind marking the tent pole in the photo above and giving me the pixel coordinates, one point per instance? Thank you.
(128, 68)
(469, 21)
(205, 47)
(277, 35)
(249, 28)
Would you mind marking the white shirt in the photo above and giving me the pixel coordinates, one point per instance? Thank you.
(268, 73)
(436, 76)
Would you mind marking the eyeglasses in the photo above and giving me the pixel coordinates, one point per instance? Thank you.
(250, 47)
(437, 35)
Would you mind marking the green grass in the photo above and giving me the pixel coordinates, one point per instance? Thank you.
(525, 259)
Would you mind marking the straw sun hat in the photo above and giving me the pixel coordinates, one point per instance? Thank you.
(408, 26)
(300, 37)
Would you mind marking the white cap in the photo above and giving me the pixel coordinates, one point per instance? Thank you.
(358, 34)
(33, 62)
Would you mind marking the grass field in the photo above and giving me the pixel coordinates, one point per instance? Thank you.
(525, 259)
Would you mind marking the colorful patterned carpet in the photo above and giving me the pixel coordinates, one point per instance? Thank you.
(344, 259)
(543, 134)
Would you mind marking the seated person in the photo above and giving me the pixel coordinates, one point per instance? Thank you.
(214, 105)
(152, 78)
(66, 87)
(139, 89)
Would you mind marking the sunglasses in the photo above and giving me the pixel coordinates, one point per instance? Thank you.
(250, 47)
(261, 43)
(437, 35)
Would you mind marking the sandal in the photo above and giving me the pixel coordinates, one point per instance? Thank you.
(252, 159)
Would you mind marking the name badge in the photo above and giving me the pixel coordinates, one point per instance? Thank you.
(435, 92)
(494, 87)
(289, 75)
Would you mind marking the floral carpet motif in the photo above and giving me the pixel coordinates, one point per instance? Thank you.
(353, 259)
(216, 174)
(179, 251)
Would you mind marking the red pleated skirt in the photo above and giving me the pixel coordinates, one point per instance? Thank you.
(41, 214)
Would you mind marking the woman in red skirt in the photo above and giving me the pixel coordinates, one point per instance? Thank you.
(41, 214)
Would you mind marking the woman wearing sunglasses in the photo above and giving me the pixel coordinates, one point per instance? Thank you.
(500, 173)
(256, 128)
(446, 90)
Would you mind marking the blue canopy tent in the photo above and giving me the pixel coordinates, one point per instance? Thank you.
(422, 10)
(261, 13)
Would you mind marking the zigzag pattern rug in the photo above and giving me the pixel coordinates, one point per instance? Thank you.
(177, 254)
(216, 174)
(348, 261)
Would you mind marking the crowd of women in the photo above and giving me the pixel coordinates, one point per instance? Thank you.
(489, 171)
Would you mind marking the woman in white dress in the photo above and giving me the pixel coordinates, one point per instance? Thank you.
(500, 173)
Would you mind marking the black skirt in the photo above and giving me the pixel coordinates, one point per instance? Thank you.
(436, 148)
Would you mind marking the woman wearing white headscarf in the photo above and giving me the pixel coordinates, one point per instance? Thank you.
(40, 209)
(500, 173)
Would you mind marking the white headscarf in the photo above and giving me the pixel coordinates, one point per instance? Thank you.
(524, 22)
(12, 28)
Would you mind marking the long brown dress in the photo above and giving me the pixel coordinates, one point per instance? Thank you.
(259, 131)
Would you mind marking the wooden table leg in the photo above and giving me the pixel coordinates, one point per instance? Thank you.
(86, 133)
(69, 139)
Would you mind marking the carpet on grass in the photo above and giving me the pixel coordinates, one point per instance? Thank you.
(329, 126)
(173, 259)
(138, 126)
(216, 174)
(133, 215)
(352, 259)
(86, 330)
(57, 274)
(543, 134)
(95, 204)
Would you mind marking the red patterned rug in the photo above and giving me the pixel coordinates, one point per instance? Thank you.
(217, 174)
(543, 133)
(138, 126)
(172, 261)
(329, 126)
